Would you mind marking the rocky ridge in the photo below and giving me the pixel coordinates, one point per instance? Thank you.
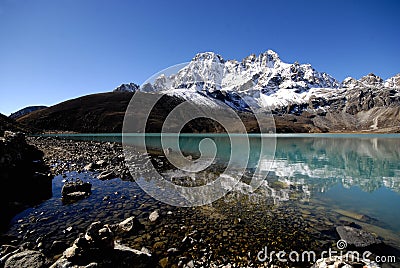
(25, 111)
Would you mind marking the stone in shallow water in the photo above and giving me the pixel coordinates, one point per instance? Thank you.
(75, 195)
(106, 175)
(357, 237)
(356, 216)
(154, 216)
(76, 189)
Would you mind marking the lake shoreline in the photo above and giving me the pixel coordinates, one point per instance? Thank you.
(64, 155)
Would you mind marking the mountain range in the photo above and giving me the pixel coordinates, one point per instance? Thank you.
(300, 98)
(292, 92)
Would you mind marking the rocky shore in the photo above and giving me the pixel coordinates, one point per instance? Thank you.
(25, 179)
(63, 155)
(94, 219)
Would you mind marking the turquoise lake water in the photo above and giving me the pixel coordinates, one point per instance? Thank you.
(357, 173)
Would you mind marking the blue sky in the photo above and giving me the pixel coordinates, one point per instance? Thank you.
(54, 50)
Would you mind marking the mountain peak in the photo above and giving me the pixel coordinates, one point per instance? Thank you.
(268, 59)
(208, 56)
(272, 54)
(371, 80)
(131, 87)
(349, 82)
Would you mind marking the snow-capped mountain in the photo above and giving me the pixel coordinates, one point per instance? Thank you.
(131, 87)
(263, 81)
(297, 94)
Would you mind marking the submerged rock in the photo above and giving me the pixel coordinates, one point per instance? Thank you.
(106, 175)
(357, 237)
(154, 216)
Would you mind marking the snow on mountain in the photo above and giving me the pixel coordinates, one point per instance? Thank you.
(350, 82)
(265, 81)
(393, 82)
(262, 81)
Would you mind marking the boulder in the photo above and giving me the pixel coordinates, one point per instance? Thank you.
(129, 257)
(99, 236)
(127, 226)
(6, 252)
(97, 242)
(76, 189)
(28, 258)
